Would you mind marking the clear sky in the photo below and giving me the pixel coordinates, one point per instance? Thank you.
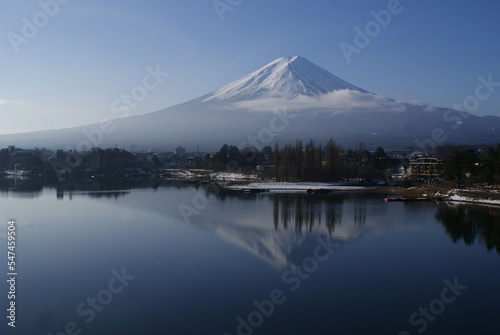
(86, 54)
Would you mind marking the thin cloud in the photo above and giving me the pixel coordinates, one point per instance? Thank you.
(337, 102)
(17, 103)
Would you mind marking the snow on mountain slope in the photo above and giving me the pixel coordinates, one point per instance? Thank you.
(287, 78)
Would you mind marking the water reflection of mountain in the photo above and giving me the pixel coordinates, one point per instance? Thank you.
(284, 228)
(302, 212)
(471, 223)
(281, 229)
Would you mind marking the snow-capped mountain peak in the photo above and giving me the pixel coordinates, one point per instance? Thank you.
(286, 77)
(297, 99)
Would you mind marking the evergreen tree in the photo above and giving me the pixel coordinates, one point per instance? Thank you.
(276, 162)
(299, 160)
(329, 160)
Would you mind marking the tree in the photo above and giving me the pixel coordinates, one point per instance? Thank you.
(491, 166)
(267, 151)
(361, 158)
(220, 160)
(330, 160)
(380, 153)
(299, 160)
(4, 157)
(309, 160)
(276, 161)
(460, 165)
(379, 162)
(114, 159)
(317, 171)
(286, 158)
(156, 160)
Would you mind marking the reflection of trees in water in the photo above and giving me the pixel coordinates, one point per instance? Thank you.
(359, 212)
(470, 223)
(333, 214)
(276, 213)
(286, 213)
(416, 206)
(94, 188)
(20, 186)
(306, 211)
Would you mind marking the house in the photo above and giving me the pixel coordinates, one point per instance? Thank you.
(424, 167)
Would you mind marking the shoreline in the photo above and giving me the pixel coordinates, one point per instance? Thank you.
(476, 196)
(232, 182)
(294, 187)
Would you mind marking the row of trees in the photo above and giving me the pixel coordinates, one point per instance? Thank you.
(330, 163)
(304, 162)
(310, 162)
(114, 159)
(230, 158)
(473, 166)
(491, 165)
(4, 158)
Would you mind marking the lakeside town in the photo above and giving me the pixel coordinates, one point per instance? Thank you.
(407, 173)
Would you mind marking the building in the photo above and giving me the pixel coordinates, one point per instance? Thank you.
(424, 167)
(180, 151)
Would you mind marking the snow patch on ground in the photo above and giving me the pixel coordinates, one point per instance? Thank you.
(297, 186)
(230, 176)
(459, 198)
(217, 176)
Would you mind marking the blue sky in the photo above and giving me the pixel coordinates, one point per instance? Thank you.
(91, 52)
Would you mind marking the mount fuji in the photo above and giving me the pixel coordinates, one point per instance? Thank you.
(288, 99)
(287, 78)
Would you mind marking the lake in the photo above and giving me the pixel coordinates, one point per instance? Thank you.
(169, 258)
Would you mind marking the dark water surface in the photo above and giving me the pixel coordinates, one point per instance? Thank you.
(179, 260)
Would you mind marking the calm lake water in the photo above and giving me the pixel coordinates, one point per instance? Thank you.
(175, 259)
